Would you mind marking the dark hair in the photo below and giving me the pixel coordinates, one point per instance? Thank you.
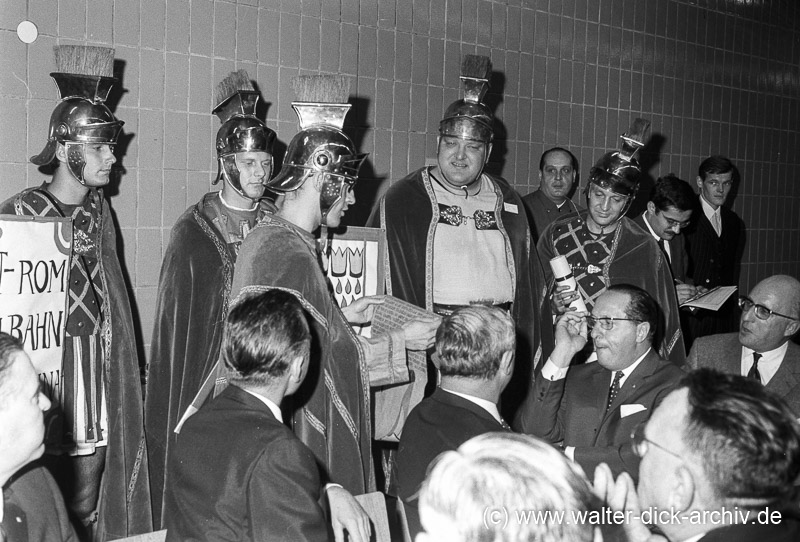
(264, 333)
(471, 341)
(8, 346)
(641, 305)
(714, 165)
(562, 149)
(746, 438)
(670, 191)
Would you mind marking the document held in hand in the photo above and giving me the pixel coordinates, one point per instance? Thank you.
(711, 300)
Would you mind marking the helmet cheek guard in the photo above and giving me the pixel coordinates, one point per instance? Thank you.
(76, 159)
(334, 188)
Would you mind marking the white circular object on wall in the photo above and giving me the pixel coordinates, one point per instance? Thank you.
(27, 32)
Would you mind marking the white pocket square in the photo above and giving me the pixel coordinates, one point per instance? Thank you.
(627, 410)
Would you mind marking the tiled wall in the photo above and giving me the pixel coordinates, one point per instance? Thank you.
(713, 76)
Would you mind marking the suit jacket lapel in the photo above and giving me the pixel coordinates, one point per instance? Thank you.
(732, 356)
(596, 387)
(786, 377)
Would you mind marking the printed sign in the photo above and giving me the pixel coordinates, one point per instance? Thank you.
(34, 287)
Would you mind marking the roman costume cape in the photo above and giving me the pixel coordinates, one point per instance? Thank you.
(193, 297)
(330, 412)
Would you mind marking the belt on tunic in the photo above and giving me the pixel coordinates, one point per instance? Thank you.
(446, 310)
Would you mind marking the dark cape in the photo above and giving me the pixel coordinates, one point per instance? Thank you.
(193, 294)
(331, 410)
(635, 259)
(124, 502)
(409, 214)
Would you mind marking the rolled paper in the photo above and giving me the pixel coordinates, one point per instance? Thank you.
(563, 274)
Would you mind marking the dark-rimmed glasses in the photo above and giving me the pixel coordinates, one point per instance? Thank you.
(606, 322)
(640, 442)
(762, 312)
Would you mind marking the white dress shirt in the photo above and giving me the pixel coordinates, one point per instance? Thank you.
(768, 364)
(711, 213)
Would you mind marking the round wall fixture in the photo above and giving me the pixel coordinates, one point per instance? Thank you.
(27, 32)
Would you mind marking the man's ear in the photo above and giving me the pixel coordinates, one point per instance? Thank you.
(651, 208)
(298, 368)
(318, 181)
(507, 363)
(792, 328)
(61, 152)
(642, 331)
(682, 493)
(699, 182)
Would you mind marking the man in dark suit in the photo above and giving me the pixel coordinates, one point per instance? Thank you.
(558, 172)
(668, 213)
(715, 242)
(590, 409)
(762, 349)
(719, 460)
(475, 355)
(237, 472)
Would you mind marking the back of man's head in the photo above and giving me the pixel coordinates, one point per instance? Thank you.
(471, 341)
(483, 491)
(714, 165)
(641, 306)
(745, 438)
(670, 191)
(264, 333)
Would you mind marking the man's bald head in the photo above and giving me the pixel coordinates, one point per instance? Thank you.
(788, 289)
(781, 295)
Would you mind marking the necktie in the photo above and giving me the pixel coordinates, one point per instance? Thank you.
(716, 223)
(505, 424)
(663, 244)
(753, 372)
(614, 389)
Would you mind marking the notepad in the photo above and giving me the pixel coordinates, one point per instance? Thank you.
(711, 300)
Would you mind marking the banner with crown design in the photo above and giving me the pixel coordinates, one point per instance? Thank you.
(351, 260)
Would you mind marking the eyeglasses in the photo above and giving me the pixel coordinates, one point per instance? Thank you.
(606, 322)
(671, 223)
(640, 443)
(762, 312)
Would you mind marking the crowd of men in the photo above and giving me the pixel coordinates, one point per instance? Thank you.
(258, 416)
